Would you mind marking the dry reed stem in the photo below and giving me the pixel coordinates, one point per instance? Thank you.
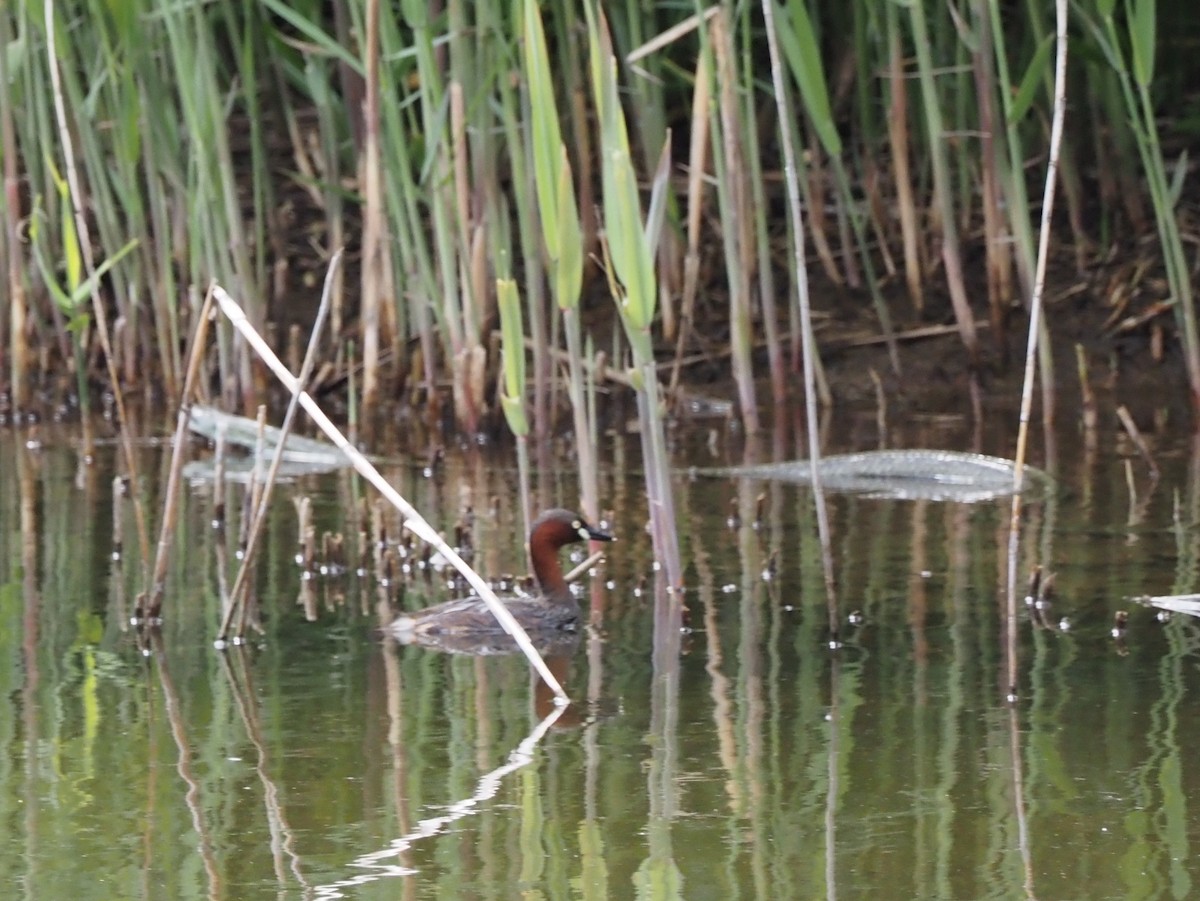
(1087, 397)
(672, 34)
(792, 178)
(18, 348)
(170, 512)
(1035, 327)
(413, 521)
(697, 161)
(583, 567)
(1131, 488)
(237, 600)
(942, 190)
(374, 257)
(306, 536)
(249, 504)
(1135, 435)
(741, 240)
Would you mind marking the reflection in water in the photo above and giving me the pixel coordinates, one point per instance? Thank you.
(486, 789)
(733, 757)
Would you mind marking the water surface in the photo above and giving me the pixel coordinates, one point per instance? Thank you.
(738, 759)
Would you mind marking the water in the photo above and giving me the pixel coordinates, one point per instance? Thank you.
(741, 759)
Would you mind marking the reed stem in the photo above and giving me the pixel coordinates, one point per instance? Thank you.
(1035, 328)
(792, 179)
(171, 499)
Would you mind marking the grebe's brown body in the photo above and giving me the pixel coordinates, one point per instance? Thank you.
(551, 617)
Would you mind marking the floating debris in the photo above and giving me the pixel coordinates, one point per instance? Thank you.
(301, 456)
(1172, 603)
(936, 475)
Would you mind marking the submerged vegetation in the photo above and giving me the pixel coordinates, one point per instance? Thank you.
(458, 149)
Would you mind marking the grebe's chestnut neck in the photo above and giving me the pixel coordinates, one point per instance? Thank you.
(550, 533)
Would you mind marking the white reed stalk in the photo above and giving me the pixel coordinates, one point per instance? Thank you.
(1035, 315)
(413, 520)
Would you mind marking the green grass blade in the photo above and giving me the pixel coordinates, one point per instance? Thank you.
(315, 33)
(1141, 39)
(1031, 81)
(799, 43)
(547, 137)
(568, 265)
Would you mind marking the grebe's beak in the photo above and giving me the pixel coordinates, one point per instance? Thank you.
(587, 532)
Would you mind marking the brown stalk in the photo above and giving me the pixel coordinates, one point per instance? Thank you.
(738, 191)
(170, 512)
(697, 161)
(19, 349)
(376, 281)
(250, 499)
(878, 213)
(816, 182)
(306, 538)
(1087, 397)
(849, 253)
(768, 297)
(118, 520)
(942, 190)
(1135, 435)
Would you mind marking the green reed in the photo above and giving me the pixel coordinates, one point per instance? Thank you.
(512, 388)
(562, 235)
(202, 127)
(631, 244)
(1135, 73)
(799, 44)
(947, 222)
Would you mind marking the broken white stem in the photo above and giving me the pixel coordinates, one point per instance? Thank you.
(413, 521)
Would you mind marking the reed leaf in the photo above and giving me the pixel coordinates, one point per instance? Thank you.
(1142, 37)
(631, 256)
(799, 44)
(547, 137)
(70, 243)
(512, 397)
(325, 42)
(568, 264)
(1035, 73)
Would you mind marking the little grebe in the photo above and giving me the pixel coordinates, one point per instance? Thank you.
(467, 625)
